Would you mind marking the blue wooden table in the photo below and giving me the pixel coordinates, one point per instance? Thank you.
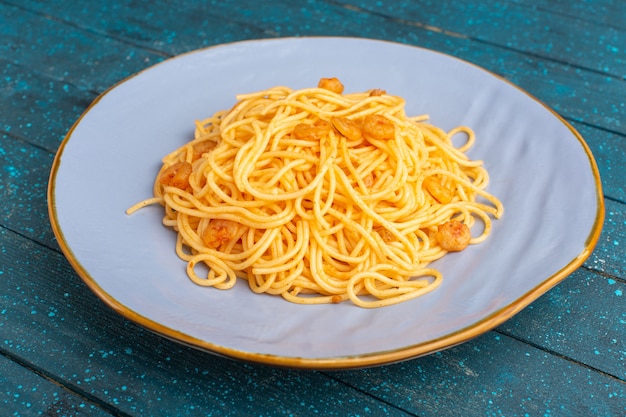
(63, 352)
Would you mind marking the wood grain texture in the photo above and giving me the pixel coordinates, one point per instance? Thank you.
(580, 319)
(63, 352)
(91, 61)
(608, 151)
(552, 82)
(610, 253)
(23, 186)
(34, 395)
(495, 376)
(588, 44)
(606, 13)
(38, 109)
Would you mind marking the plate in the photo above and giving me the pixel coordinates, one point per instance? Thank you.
(539, 166)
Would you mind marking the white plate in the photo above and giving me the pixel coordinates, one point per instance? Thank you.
(540, 168)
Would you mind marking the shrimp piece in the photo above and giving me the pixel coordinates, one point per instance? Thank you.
(377, 92)
(453, 236)
(331, 84)
(378, 127)
(385, 234)
(316, 131)
(346, 127)
(335, 299)
(201, 148)
(218, 232)
(437, 190)
(368, 180)
(177, 175)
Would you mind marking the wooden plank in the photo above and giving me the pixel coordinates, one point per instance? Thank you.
(609, 257)
(537, 31)
(493, 376)
(54, 322)
(607, 12)
(582, 318)
(609, 151)
(165, 31)
(550, 80)
(23, 186)
(84, 58)
(38, 108)
(26, 394)
(556, 77)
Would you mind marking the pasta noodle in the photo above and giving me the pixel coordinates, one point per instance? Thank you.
(320, 196)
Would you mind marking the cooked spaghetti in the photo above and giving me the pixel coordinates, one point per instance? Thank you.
(320, 197)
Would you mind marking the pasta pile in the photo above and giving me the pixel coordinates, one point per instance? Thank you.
(320, 196)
